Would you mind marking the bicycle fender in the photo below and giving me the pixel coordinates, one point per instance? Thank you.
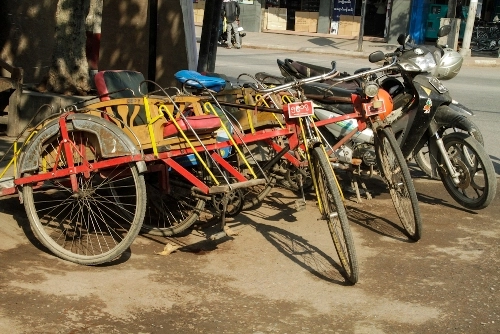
(112, 141)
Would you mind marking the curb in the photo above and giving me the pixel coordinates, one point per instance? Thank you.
(468, 61)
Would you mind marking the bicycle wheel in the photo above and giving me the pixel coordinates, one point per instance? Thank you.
(485, 45)
(260, 153)
(397, 176)
(333, 211)
(172, 212)
(477, 186)
(88, 226)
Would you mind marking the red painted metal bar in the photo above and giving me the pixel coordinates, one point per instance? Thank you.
(190, 177)
(336, 119)
(220, 160)
(8, 191)
(287, 155)
(60, 173)
(66, 142)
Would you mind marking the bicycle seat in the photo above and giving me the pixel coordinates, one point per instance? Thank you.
(200, 81)
(302, 70)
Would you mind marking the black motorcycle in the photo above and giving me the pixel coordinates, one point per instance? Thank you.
(458, 158)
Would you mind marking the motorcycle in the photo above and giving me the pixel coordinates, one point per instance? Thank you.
(423, 114)
(458, 158)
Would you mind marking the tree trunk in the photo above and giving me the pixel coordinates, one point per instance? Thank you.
(69, 71)
(93, 27)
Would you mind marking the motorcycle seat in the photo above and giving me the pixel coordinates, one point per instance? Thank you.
(200, 81)
(302, 70)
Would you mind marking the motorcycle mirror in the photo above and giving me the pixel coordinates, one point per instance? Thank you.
(444, 30)
(376, 56)
(401, 39)
(334, 64)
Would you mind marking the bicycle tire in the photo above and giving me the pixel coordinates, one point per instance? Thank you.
(87, 227)
(254, 195)
(170, 213)
(475, 167)
(397, 176)
(333, 211)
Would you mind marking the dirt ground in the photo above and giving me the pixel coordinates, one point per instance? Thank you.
(278, 275)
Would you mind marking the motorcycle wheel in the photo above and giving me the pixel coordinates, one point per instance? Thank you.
(478, 184)
(422, 156)
(397, 176)
(233, 39)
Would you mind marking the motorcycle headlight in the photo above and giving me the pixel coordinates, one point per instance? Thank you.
(371, 89)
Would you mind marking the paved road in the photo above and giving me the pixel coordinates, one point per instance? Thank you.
(278, 275)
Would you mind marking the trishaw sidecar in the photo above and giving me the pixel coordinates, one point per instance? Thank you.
(89, 175)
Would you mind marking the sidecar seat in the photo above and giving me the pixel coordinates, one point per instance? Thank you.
(123, 84)
(200, 81)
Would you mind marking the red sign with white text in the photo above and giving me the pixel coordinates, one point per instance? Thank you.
(300, 109)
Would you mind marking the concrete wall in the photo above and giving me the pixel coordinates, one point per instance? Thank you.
(250, 16)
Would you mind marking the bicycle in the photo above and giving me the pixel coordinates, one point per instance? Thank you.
(262, 130)
(393, 165)
(485, 37)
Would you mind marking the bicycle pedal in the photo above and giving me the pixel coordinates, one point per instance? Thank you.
(300, 205)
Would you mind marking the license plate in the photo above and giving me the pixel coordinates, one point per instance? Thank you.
(437, 85)
(370, 110)
(300, 109)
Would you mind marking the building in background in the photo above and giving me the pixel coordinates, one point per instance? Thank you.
(336, 17)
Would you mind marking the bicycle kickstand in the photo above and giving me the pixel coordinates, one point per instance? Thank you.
(222, 224)
(300, 204)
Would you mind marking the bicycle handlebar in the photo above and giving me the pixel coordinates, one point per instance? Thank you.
(330, 75)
